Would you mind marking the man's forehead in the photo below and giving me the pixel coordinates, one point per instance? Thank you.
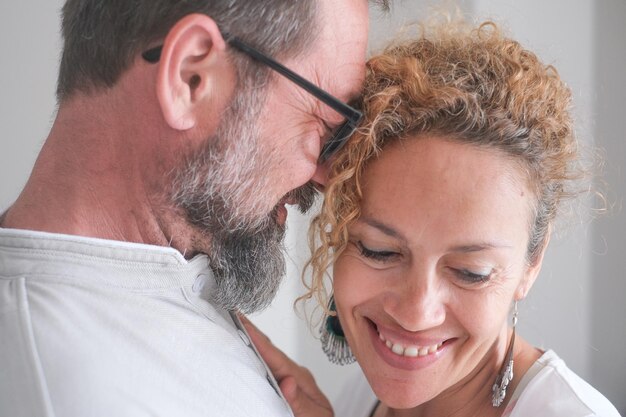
(341, 45)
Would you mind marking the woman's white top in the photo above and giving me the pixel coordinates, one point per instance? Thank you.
(548, 389)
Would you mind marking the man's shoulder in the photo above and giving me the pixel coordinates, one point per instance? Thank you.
(84, 357)
(139, 342)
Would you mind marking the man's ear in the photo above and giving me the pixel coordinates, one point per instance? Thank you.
(191, 66)
(532, 272)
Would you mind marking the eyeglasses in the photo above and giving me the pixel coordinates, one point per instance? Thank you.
(351, 115)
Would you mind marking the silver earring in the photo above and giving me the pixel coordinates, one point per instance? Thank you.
(506, 372)
(334, 343)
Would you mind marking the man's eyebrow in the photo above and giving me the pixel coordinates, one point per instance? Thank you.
(354, 95)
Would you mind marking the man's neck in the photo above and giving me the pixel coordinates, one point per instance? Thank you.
(98, 176)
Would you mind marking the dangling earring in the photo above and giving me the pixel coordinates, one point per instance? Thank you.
(506, 372)
(334, 343)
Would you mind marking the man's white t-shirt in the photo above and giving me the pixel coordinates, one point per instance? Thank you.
(92, 327)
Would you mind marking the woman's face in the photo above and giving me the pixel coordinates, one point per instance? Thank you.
(433, 264)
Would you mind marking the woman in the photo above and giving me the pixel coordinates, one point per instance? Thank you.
(436, 221)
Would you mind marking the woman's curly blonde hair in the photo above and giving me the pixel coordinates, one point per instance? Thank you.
(469, 84)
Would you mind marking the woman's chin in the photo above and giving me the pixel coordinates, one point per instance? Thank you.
(401, 396)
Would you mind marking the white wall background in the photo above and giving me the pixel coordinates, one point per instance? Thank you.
(577, 306)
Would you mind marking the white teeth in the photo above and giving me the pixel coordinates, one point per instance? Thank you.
(409, 351)
(398, 349)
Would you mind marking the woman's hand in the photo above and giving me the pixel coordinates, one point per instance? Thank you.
(296, 382)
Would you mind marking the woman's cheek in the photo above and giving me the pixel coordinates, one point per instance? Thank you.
(353, 281)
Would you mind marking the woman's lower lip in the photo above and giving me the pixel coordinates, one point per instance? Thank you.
(403, 362)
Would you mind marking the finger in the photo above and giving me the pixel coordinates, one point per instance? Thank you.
(256, 334)
(301, 403)
(278, 362)
(282, 367)
(292, 389)
(245, 320)
(289, 386)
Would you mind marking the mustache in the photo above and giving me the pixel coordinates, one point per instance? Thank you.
(303, 197)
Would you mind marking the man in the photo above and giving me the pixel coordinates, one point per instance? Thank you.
(156, 207)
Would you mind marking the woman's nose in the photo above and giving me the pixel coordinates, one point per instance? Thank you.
(418, 305)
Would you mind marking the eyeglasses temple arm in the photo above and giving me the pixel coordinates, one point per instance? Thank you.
(353, 115)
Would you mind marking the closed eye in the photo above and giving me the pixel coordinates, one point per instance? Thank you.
(381, 256)
(472, 277)
(329, 129)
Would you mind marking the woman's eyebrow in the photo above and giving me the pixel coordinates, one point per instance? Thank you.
(388, 230)
(477, 247)
(474, 247)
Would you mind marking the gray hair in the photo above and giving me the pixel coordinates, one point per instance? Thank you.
(101, 38)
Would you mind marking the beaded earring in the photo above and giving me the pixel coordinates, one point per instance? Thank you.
(334, 343)
(506, 372)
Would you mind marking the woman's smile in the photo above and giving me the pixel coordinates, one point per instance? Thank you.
(408, 353)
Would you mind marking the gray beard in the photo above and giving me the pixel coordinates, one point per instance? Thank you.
(249, 264)
(220, 191)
